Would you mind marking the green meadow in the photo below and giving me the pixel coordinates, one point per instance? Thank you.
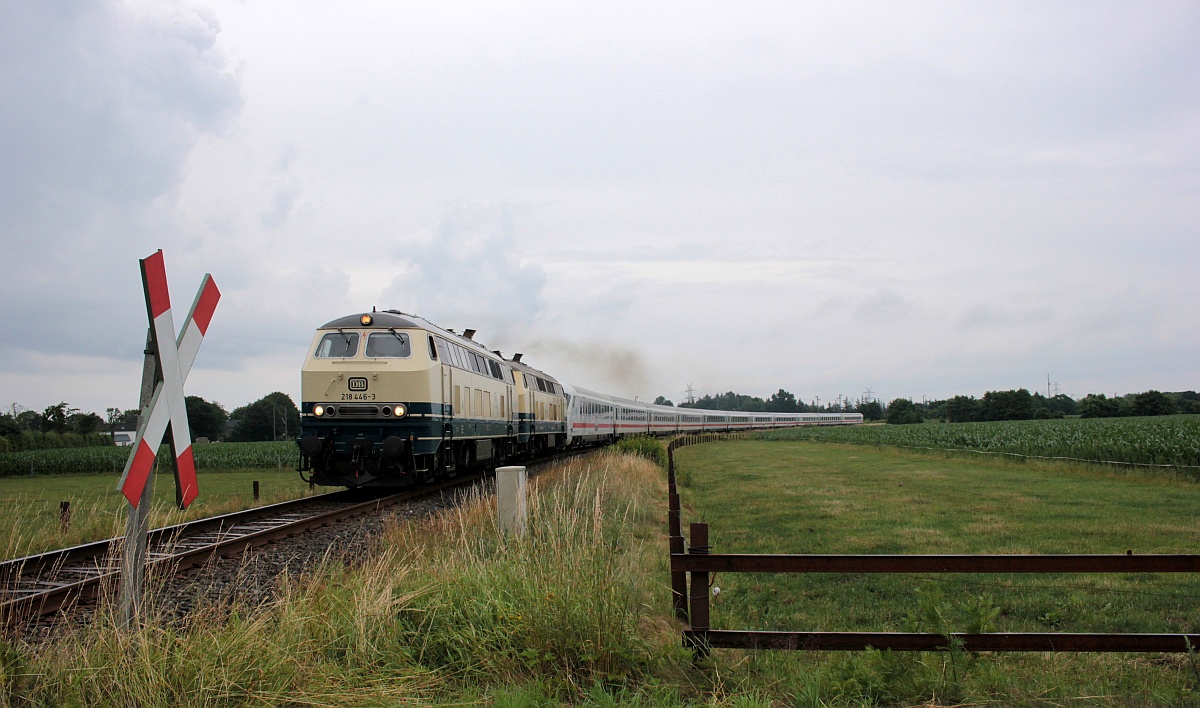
(449, 611)
(30, 504)
(804, 497)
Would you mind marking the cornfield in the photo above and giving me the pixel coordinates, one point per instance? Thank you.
(111, 460)
(1172, 441)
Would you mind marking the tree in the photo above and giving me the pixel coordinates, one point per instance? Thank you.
(962, 409)
(84, 423)
(9, 424)
(29, 421)
(271, 417)
(1007, 405)
(1098, 406)
(1153, 403)
(903, 411)
(1062, 403)
(662, 401)
(54, 418)
(1186, 401)
(782, 402)
(871, 410)
(728, 401)
(207, 420)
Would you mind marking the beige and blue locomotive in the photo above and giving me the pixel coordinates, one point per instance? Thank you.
(389, 399)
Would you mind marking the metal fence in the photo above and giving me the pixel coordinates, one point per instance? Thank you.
(691, 564)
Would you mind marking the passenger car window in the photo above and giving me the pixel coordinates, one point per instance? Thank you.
(337, 345)
(388, 344)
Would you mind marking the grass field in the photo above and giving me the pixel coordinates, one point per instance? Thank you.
(447, 612)
(1172, 441)
(797, 497)
(451, 612)
(30, 504)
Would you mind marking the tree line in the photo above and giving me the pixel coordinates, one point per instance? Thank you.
(781, 401)
(272, 417)
(1018, 404)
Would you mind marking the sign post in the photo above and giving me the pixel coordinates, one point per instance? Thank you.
(167, 364)
(137, 527)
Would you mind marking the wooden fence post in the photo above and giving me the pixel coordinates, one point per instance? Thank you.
(699, 591)
(679, 588)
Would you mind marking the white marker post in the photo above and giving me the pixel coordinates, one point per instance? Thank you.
(512, 505)
(168, 361)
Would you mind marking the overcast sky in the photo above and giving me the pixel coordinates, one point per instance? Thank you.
(923, 199)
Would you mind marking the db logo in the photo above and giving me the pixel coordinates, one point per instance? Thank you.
(358, 383)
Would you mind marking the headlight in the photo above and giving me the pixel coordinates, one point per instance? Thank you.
(399, 411)
(318, 410)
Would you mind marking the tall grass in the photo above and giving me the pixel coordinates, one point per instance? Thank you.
(447, 610)
(30, 506)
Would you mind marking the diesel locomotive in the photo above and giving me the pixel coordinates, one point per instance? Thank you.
(390, 399)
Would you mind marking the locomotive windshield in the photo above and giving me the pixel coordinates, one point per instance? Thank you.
(337, 345)
(388, 344)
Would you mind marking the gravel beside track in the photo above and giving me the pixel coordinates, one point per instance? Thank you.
(250, 577)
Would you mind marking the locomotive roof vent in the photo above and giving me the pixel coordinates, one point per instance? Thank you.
(517, 357)
(497, 353)
(469, 334)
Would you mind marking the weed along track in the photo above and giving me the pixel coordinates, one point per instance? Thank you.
(296, 534)
(301, 532)
(44, 583)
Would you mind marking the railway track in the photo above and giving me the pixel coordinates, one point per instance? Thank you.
(47, 582)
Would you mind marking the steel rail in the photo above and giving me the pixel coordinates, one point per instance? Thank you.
(31, 593)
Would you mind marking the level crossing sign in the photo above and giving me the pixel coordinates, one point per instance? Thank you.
(174, 358)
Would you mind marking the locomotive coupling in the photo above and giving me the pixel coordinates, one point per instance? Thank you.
(393, 446)
(311, 445)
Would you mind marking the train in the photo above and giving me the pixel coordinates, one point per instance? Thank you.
(388, 399)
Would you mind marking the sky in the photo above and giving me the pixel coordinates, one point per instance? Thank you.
(918, 199)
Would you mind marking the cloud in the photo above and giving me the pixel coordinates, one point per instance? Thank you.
(470, 272)
(281, 207)
(984, 315)
(103, 104)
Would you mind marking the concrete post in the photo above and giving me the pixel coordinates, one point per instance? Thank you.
(511, 503)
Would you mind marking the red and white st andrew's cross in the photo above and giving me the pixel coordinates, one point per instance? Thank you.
(175, 357)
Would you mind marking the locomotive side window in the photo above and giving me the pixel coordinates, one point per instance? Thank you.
(337, 345)
(392, 345)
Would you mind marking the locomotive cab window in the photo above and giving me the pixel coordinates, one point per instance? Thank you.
(337, 345)
(388, 345)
